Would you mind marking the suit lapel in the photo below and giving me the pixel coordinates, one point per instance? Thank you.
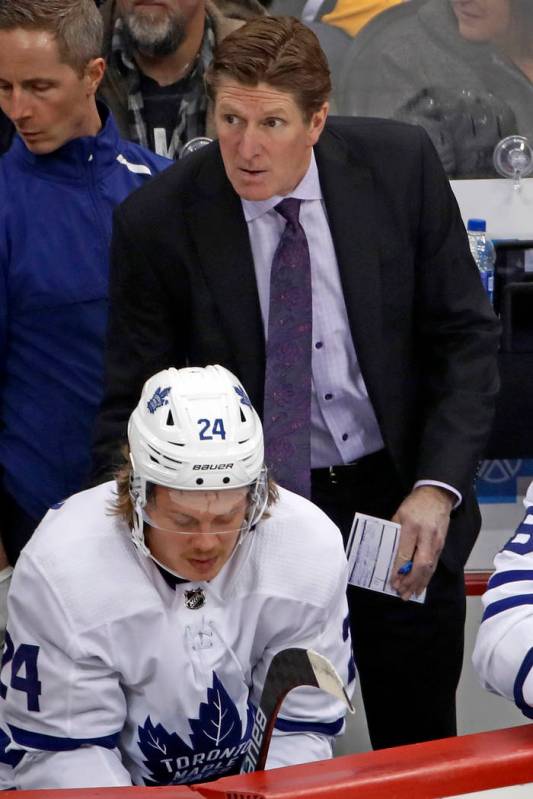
(349, 195)
(220, 234)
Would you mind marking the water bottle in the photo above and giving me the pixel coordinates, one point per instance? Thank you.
(483, 252)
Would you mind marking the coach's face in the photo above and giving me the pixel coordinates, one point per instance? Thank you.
(265, 140)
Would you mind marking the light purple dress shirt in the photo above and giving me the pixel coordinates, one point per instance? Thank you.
(343, 424)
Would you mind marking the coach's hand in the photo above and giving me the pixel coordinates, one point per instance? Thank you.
(424, 516)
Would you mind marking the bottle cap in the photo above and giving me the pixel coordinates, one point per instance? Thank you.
(476, 225)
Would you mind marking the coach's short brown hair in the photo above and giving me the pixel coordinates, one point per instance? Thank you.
(76, 25)
(279, 51)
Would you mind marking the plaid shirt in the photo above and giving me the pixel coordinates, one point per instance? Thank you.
(191, 114)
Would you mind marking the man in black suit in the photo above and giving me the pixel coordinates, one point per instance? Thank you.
(403, 338)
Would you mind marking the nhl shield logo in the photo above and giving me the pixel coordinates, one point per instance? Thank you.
(195, 598)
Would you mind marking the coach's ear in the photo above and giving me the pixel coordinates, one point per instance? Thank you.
(316, 125)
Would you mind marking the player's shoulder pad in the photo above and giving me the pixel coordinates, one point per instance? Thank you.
(83, 553)
(297, 553)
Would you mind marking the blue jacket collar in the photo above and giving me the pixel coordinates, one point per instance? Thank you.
(70, 161)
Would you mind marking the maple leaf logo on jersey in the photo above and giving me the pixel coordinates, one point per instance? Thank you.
(217, 744)
(11, 757)
(245, 399)
(158, 400)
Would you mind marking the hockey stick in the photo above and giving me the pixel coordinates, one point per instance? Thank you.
(289, 669)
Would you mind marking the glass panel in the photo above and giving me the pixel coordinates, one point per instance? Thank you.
(463, 69)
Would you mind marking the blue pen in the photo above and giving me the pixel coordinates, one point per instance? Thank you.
(406, 568)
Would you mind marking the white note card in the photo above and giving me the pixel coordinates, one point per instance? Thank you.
(371, 551)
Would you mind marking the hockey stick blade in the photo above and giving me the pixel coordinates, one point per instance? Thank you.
(289, 669)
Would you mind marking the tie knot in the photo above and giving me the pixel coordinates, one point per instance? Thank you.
(289, 208)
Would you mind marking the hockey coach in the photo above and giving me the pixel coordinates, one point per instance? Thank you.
(326, 264)
(159, 600)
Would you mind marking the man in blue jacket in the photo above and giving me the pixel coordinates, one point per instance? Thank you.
(66, 170)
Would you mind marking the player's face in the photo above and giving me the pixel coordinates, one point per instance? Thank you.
(264, 138)
(482, 20)
(158, 27)
(48, 101)
(195, 532)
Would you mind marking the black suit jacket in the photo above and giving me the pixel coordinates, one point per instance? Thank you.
(183, 291)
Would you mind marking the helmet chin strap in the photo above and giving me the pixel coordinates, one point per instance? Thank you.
(258, 503)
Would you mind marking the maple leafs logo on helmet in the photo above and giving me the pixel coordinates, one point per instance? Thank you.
(159, 399)
(245, 399)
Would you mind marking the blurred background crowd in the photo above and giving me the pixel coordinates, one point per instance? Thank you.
(463, 69)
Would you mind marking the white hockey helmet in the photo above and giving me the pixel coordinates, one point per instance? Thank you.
(195, 429)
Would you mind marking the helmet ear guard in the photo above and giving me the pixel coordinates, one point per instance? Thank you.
(258, 502)
(195, 429)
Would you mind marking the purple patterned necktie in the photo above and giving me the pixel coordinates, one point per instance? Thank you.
(287, 409)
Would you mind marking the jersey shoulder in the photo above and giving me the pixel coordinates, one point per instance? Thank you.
(297, 553)
(82, 553)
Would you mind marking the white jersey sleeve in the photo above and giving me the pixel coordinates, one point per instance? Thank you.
(62, 732)
(309, 718)
(503, 654)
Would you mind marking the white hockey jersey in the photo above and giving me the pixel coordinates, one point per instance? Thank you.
(503, 655)
(113, 675)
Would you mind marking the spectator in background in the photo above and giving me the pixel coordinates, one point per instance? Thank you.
(461, 68)
(305, 10)
(352, 15)
(347, 15)
(334, 41)
(241, 9)
(59, 182)
(157, 55)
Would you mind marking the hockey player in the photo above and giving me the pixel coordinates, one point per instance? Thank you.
(503, 655)
(144, 613)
